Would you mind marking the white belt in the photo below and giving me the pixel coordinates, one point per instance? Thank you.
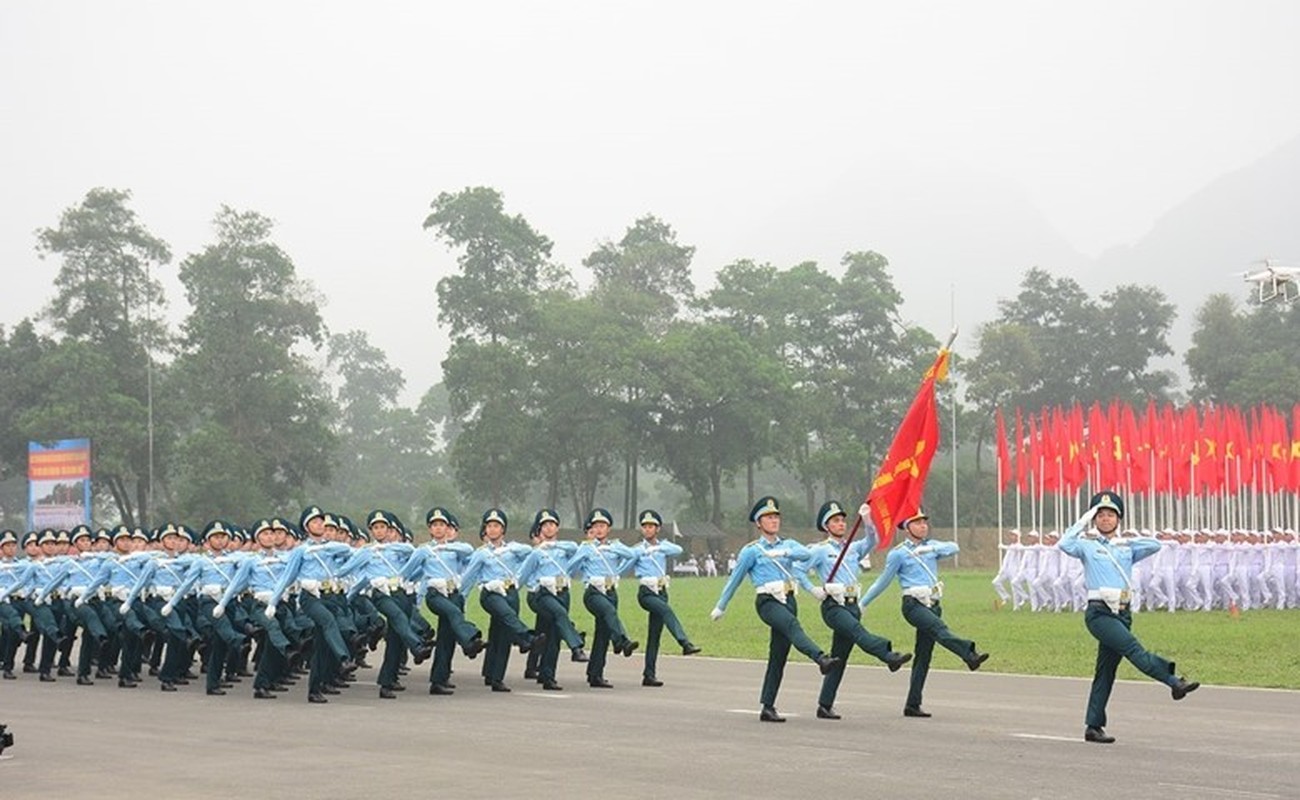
(76, 592)
(213, 590)
(655, 585)
(840, 591)
(262, 597)
(165, 592)
(602, 583)
(924, 594)
(443, 586)
(382, 584)
(310, 586)
(1115, 599)
(120, 593)
(777, 589)
(499, 587)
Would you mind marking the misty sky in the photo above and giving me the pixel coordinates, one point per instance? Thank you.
(778, 132)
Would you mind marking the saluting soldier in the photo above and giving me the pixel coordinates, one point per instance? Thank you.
(496, 566)
(839, 599)
(771, 564)
(915, 562)
(650, 566)
(1108, 571)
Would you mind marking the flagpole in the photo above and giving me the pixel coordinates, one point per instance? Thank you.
(952, 319)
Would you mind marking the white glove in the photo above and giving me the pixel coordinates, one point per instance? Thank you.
(716, 614)
(80, 601)
(125, 608)
(38, 601)
(270, 611)
(865, 563)
(819, 592)
(864, 511)
(219, 611)
(166, 610)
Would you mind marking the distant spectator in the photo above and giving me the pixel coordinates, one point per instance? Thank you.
(710, 566)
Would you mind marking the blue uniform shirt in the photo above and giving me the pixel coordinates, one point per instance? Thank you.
(500, 563)
(549, 560)
(1107, 564)
(764, 562)
(651, 561)
(914, 564)
(824, 554)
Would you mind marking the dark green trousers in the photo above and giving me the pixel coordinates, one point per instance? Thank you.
(930, 629)
(505, 629)
(609, 629)
(783, 619)
(453, 628)
(661, 615)
(845, 621)
(1115, 640)
(552, 618)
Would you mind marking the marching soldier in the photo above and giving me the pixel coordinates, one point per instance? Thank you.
(600, 562)
(770, 563)
(545, 573)
(1108, 570)
(839, 604)
(650, 566)
(915, 562)
(496, 566)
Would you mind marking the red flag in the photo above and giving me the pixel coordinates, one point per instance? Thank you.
(1022, 455)
(1136, 451)
(896, 491)
(1295, 449)
(1004, 457)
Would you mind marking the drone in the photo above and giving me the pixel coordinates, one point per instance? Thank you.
(1274, 281)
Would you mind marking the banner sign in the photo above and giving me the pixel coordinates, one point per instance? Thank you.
(58, 479)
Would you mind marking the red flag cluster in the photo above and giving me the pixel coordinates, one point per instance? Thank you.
(1183, 452)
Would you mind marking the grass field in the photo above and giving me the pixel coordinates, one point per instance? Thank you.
(1258, 648)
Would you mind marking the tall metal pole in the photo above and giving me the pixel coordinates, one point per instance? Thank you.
(148, 360)
(952, 294)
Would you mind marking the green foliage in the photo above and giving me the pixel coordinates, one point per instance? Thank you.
(248, 392)
(1245, 357)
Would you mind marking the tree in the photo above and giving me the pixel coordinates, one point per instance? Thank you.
(253, 398)
(104, 299)
(1245, 357)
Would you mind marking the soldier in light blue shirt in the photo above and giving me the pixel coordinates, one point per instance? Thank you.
(772, 566)
(839, 598)
(1108, 572)
(600, 562)
(650, 566)
(496, 566)
(435, 569)
(545, 574)
(915, 562)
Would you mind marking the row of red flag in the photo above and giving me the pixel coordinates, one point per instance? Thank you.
(1184, 452)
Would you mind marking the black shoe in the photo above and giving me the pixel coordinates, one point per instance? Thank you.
(347, 667)
(84, 680)
(9, 675)
(630, 647)
(401, 670)
(449, 684)
(439, 688)
(915, 711)
(1184, 688)
(422, 655)
(896, 660)
(552, 686)
(387, 693)
(153, 671)
(498, 686)
(102, 674)
(329, 690)
(167, 687)
(537, 643)
(189, 676)
(826, 712)
(263, 694)
(225, 685)
(376, 636)
(1098, 736)
(530, 674)
(976, 658)
(600, 683)
(47, 677)
(651, 682)
(689, 649)
(28, 668)
(579, 655)
(126, 683)
(475, 646)
(317, 697)
(64, 672)
(216, 691)
(278, 687)
(397, 687)
(233, 679)
(768, 714)
(828, 663)
(182, 681)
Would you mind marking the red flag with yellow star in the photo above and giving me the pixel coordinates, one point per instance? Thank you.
(896, 492)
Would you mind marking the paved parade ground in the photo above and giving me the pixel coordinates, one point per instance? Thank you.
(992, 736)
